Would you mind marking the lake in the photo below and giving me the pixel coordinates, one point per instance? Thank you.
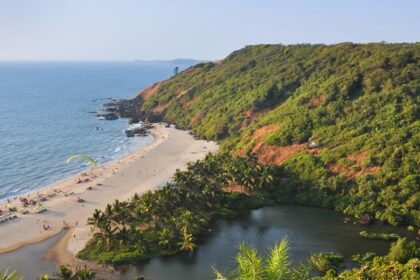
(308, 229)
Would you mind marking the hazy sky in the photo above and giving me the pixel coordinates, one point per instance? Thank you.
(159, 29)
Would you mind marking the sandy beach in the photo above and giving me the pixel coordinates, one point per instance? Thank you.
(140, 171)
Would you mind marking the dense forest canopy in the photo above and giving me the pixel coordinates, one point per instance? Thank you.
(340, 122)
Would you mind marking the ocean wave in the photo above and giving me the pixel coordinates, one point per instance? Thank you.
(117, 149)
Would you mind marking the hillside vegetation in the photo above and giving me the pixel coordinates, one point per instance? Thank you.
(340, 122)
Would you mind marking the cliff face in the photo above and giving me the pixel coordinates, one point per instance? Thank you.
(343, 120)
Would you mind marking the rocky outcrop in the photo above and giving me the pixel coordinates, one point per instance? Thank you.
(130, 108)
(141, 130)
(109, 116)
(125, 108)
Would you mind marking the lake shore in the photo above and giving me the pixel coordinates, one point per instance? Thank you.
(70, 202)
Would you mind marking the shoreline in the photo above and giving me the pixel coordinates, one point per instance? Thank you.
(143, 170)
(65, 183)
(41, 188)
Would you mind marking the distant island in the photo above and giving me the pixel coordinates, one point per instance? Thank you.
(180, 61)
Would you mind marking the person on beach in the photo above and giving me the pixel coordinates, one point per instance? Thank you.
(65, 225)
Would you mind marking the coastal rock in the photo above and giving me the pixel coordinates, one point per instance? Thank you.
(121, 108)
(141, 130)
(131, 109)
(107, 116)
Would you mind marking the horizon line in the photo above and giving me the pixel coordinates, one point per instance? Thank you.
(100, 60)
(200, 60)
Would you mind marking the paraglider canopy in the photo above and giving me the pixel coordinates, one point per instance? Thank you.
(85, 157)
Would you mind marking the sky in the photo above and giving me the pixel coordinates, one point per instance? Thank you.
(167, 29)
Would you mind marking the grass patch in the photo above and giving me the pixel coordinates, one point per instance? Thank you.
(380, 236)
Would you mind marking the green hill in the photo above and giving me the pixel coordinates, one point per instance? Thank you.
(341, 121)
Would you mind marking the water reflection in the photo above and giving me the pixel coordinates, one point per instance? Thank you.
(308, 229)
(30, 260)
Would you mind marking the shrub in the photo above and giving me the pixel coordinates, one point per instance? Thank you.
(326, 261)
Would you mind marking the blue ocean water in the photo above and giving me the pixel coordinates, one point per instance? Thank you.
(44, 109)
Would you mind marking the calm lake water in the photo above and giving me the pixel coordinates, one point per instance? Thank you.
(44, 109)
(308, 229)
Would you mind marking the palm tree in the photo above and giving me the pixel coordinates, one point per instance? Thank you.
(187, 221)
(187, 242)
(123, 236)
(164, 239)
(136, 236)
(85, 274)
(10, 275)
(107, 233)
(120, 214)
(108, 212)
(138, 215)
(264, 176)
(96, 219)
(65, 273)
(250, 266)
(278, 263)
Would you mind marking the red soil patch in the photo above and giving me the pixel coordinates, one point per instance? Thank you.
(270, 154)
(367, 170)
(196, 117)
(313, 102)
(313, 151)
(356, 159)
(262, 132)
(150, 91)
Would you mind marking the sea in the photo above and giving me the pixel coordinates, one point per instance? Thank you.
(46, 116)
